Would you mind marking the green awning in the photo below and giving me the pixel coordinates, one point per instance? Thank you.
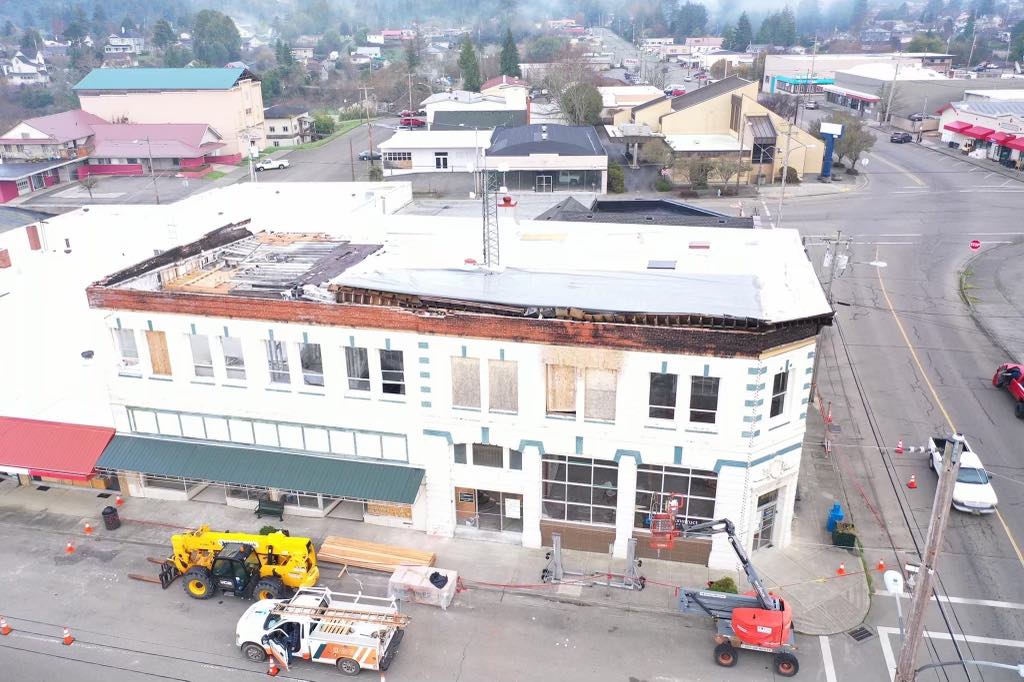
(253, 466)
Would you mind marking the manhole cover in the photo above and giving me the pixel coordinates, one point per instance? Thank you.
(835, 428)
(860, 634)
(103, 495)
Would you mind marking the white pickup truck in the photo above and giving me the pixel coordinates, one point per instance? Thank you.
(972, 491)
(350, 631)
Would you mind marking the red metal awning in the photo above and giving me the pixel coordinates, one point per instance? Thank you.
(1000, 138)
(52, 449)
(977, 132)
(1017, 144)
(957, 126)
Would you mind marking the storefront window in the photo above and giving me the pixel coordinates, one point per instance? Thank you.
(579, 489)
(655, 483)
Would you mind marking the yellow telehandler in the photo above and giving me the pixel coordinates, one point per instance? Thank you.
(247, 565)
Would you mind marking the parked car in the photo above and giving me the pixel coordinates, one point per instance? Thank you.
(900, 138)
(272, 164)
(1009, 376)
(688, 79)
(409, 122)
(406, 113)
(810, 104)
(972, 492)
(367, 155)
(674, 92)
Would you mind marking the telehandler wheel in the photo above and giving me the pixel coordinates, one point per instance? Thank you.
(347, 666)
(270, 588)
(725, 655)
(786, 665)
(197, 583)
(1019, 410)
(254, 652)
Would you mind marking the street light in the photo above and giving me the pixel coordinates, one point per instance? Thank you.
(152, 174)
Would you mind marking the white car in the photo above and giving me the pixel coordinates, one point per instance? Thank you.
(272, 164)
(972, 491)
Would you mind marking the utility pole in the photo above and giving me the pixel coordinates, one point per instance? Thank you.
(152, 173)
(905, 666)
(785, 172)
(369, 126)
(409, 77)
(352, 159)
(892, 89)
(739, 169)
(920, 124)
(971, 55)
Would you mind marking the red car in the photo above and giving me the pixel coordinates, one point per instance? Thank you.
(409, 122)
(1009, 376)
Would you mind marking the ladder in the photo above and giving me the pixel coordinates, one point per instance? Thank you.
(340, 615)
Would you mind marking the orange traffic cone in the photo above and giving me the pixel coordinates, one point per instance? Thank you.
(912, 483)
(88, 528)
(881, 566)
(68, 639)
(69, 548)
(841, 570)
(5, 629)
(899, 447)
(272, 668)
(119, 500)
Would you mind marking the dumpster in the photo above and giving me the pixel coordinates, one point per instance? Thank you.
(111, 521)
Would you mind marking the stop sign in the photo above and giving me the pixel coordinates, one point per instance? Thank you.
(975, 245)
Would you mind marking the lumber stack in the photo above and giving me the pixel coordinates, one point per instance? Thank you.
(371, 555)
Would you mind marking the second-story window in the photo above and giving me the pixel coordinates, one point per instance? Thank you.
(159, 358)
(392, 372)
(503, 386)
(202, 358)
(662, 400)
(312, 364)
(466, 382)
(358, 368)
(561, 390)
(277, 361)
(703, 399)
(234, 359)
(599, 394)
(127, 348)
(779, 387)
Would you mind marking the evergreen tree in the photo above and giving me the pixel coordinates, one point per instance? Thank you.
(859, 15)
(510, 56)
(689, 20)
(127, 24)
(808, 17)
(470, 67)
(8, 29)
(729, 39)
(744, 33)
(163, 34)
(31, 42)
(786, 34)
(931, 11)
(984, 8)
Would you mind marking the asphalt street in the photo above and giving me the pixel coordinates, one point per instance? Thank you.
(905, 360)
(336, 161)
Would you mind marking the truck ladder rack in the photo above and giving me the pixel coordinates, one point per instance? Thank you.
(338, 615)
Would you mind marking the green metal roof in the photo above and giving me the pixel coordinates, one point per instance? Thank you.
(159, 79)
(251, 466)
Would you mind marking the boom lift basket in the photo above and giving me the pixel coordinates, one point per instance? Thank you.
(663, 523)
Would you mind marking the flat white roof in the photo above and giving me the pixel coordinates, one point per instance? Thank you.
(437, 139)
(711, 142)
(997, 94)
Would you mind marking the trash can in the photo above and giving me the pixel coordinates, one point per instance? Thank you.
(111, 521)
(834, 517)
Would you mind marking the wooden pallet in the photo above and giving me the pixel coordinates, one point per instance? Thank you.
(371, 555)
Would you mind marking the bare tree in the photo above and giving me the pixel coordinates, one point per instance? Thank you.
(728, 167)
(659, 77)
(782, 104)
(89, 182)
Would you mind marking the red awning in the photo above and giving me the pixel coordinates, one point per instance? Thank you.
(1017, 144)
(957, 126)
(977, 132)
(52, 449)
(1000, 138)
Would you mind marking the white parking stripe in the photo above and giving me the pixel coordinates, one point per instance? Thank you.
(884, 633)
(967, 600)
(826, 659)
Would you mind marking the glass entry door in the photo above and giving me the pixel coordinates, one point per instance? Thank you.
(765, 519)
(489, 510)
(543, 183)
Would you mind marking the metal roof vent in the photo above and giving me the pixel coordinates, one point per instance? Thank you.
(661, 265)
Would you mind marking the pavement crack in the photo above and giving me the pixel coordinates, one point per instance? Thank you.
(462, 659)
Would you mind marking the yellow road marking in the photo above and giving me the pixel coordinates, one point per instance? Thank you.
(901, 169)
(942, 408)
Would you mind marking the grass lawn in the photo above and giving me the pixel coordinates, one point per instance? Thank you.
(342, 128)
(214, 175)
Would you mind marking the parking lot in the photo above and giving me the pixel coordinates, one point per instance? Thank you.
(128, 190)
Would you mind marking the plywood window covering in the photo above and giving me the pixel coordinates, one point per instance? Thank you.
(158, 355)
(398, 511)
(466, 382)
(561, 390)
(599, 396)
(503, 388)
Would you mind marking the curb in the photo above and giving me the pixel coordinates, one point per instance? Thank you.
(1019, 177)
(978, 318)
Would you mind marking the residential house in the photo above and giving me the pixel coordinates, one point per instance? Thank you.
(57, 136)
(704, 44)
(434, 151)
(288, 126)
(500, 85)
(127, 42)
(302, 53)
(405, 385)
(372, 51)
(52, 48)
(725, 119)
(228, 100)
(146, 148)
(549, 158)
(319, 70)
(23, 70)
(706, 60)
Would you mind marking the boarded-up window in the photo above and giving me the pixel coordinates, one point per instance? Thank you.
(503, 391)
(599, 399)
(561, 390)
(466, 382)
(158, 354)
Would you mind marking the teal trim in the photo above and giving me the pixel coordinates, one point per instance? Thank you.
(756, 371)
(424, 389)
(305, 337)
(753, 403)
(755, 387)
(424, 375)
(808, 370)
(387, 344)
(810, 355)
(270, 334)
(750, 434)
(424, 361)
(804, 401)
(707, 370)
(226, 335)
(787, 365)
(149, 323)
(320, 651)
(485, 435)
(664, 367)
(501, 354)
(752, 419)
(352, 341)
(677, 455)
(463, 351)
(635, 454)
(423, 344)
(425, 403)
(803, 415)
(439, 434)
(807, 386)
(193, 326)
(118, 321)
(722, 463)
(579, 445)
(539, 444)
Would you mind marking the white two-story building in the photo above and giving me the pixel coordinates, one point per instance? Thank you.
(379, 373)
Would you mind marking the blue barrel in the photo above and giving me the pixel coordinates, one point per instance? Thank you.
(834, 517)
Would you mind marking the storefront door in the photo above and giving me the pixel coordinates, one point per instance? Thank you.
(543, 183)
(489, 510)
(765, 517)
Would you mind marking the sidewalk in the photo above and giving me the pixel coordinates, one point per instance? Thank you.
(984, 164)
(482, 565)
(994, 291)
